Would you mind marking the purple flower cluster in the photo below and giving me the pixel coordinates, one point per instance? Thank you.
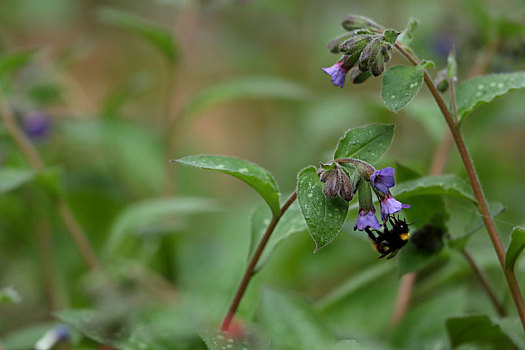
(382, 180)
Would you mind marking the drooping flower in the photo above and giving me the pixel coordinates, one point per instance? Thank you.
(390, 205)
(383, 179)
(367, 219)
(338, 73)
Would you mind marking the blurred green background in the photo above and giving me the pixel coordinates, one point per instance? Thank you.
(241, 78)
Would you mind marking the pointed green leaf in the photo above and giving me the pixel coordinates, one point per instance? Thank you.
(477, 91)
(243, 88)
(516, 246)
(391, 35)
(12, 61)
(255, 176)
(407, 35)
(324, 216)
(290, 223)
(158, 36)
(460, 241)
(367, 143)
(292, 323)
(401, 84)
(513, 328)
(143, 215)
(477, 329)
(12, 178)
(440, 185)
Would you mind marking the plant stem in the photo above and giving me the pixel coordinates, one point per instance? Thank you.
(32, 156)
(248, 273)
(476, 187)
(482, 277)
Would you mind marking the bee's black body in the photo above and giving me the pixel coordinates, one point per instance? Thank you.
(390, 241)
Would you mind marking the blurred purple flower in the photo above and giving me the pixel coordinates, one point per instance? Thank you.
(366, 219)
(442, 44)
(338, 73)
(383, 179)
(390, 205)
(58, 334)
(37, 125)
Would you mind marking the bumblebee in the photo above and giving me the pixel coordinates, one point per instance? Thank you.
(390, 241)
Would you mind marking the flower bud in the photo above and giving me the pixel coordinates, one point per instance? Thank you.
(369, 54)
(352, 22)
(441, 80)
(385, 50)
(347, 191)
(358, 77)
(333, 183)
(355, 44)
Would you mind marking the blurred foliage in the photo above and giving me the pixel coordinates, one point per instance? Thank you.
(123, 83)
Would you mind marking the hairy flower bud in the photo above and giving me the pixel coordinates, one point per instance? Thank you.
(370, 54)
(358, 77)
(355, 44)
(441, 80)
(333, 183)
(347, 191)
(352, 22)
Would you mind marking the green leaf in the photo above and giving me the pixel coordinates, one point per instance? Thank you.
(516, 246)
(460, 241)
(25, 337)
(347, 344)
(401, 84)
(440, 185)
(292, 323)
(12, 178)
(217, 340)
(13, 61)
(324, 216)
(513, 328)
(291, 222)
(367, 143)
(243, 88)
(478, 329)
(159, 37)
(391, 35)
(143, 215)
(407, 35)
(477, 91)
(255, 176)
(354, 283)
(86, 321)
(9, 295)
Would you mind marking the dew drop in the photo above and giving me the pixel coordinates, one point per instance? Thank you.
(500, 85)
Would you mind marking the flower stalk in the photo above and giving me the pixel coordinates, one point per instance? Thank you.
(475, 183)
(250, 268)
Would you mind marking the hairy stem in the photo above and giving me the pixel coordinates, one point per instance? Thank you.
(63, 209)
(476, 187)
(248, 273)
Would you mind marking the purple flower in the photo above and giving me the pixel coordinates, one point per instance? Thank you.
(37, 125)
(383, 179)
(366, 219)
(338, 73)
(390, 205)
